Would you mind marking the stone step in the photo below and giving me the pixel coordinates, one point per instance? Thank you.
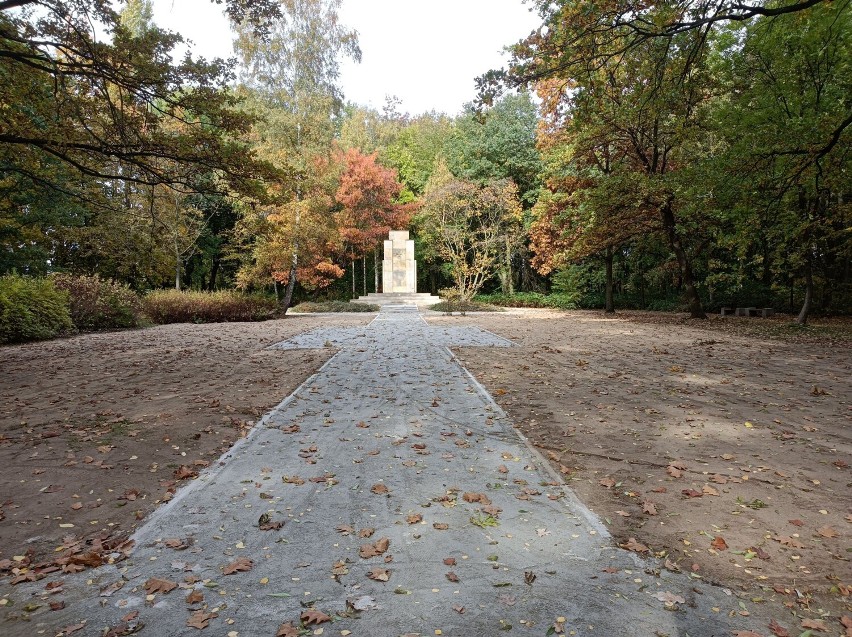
(398, 298)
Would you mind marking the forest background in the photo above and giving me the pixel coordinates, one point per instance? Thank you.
(673, 156)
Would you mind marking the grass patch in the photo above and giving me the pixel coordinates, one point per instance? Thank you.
(172, 306)
(529, 299)
(311, 307)
(467, 306)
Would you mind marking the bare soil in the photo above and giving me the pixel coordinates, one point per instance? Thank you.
(721, 446)
(98, 429)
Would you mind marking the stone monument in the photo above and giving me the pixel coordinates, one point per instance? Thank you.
(399, 269)
(399, 275)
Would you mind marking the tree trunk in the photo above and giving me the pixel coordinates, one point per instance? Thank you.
(696, 310)
(214, 271)
(376, 269)
(353, 277)
(364, 273)
(291, 283)
(610, 305)
(802, 319)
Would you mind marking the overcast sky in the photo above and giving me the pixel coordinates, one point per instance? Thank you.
(426, 53)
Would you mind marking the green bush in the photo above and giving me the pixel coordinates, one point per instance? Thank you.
(31, 309)
(173, 306)
(311, 307)
(529, 299)
(98, 304)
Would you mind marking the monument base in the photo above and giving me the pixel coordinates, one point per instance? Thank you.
(398, 298)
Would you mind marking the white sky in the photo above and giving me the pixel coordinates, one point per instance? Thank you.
(425, 53)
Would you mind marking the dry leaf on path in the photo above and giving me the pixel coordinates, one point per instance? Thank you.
(452, 576)
(314, 616)
(669, 599)
(239, 564)
(778, 630)
(365, 533)
(814, 624)
(449, 561)
(649, 507)
(414, 518)
(606, 482)
(379, 574)
(195, 597)
(827, 531)
(476, 497)
(200, 619)
(633, 545)
(287, 630)
(156, 585)
(379, 489)
(440, 526)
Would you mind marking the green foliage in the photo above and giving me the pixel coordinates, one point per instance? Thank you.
(528, 299)
(97, 304)
(313, 307)
(172, 306)
(499, 143)
(31, 309)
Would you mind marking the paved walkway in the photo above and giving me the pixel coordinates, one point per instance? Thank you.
(465, 530)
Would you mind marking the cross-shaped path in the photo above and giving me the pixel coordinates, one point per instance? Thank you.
(410, 506)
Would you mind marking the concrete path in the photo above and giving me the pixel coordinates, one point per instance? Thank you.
(410, 507)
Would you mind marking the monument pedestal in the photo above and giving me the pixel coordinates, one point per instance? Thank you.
(399, 275)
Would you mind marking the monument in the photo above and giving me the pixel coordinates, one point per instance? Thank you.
(399, 275)
(399, 269)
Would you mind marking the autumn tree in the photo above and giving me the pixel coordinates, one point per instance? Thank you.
(292, 73)
(368, 194)
(466, 224)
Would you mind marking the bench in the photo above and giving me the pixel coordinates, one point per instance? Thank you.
(763, 312)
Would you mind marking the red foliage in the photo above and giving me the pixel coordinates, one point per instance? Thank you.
(368, 193)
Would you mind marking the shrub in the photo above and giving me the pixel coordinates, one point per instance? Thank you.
(31, 309)
(310, 307)
(173, 306)
(529, 299)
(98, 304)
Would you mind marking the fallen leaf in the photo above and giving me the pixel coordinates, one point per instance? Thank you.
(156, 585)
(674, 472)
(195, 597)
(345, 530)
(239, 564)
(669, 599)
(440, 526)
(827, 531)
(633, 545)
(606, 482)
(778, 630)
(200, 619)
(815, 624)
(175, 543)
(649, 507)
(374, 550)
(786, 540)
(379, 489)
(379, 574)
(414, 518)
(476, 497)
(365, 533)
(287, 630)
(708, 490)
(314, 616)
(719, 543)
(459, 609)
(452, 576)
(692, 493)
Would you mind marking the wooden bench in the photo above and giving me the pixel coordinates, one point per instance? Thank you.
(763, 312)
